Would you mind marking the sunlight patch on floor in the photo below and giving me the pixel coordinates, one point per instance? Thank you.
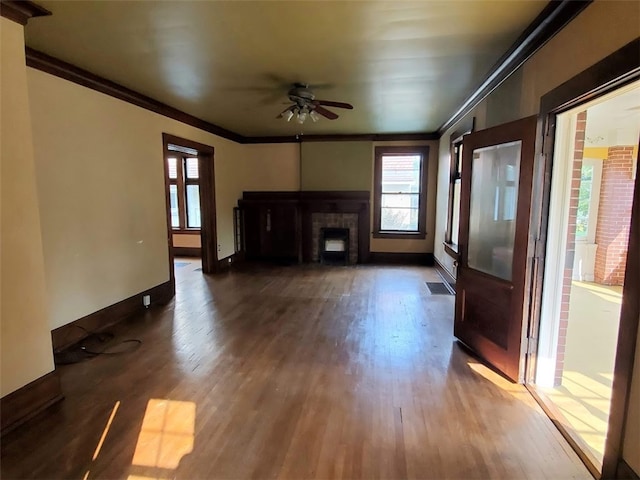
(166, 435)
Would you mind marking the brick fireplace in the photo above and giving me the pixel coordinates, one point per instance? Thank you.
(347, 221)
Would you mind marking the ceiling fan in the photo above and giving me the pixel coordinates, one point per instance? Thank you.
(305, 105)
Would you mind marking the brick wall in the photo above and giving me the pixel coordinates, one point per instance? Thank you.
(614, 216)
(576, 174)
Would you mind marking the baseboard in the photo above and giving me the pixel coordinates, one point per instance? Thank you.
(401, 258)
(625, 472)
(445, 275)
(25, 403)
(71, 333)
(187, 252)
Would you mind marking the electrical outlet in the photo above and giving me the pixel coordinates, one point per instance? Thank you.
(146, 300)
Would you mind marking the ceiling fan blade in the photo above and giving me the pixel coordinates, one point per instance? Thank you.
(291, 107)
(325, 113)
(328, 103)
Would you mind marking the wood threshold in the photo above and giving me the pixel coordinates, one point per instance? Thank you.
(567, 431)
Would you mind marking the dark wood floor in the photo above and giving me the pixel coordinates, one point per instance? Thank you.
(292, 372)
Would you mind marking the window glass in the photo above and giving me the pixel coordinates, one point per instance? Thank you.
(584, 201)
(192, 167)
(401, 174)
(173, 167)
(193, 206)
(455, 214)
(494, 198)
(175, 215)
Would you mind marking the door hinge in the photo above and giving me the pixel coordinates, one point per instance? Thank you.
(532, 345)
(537, 249)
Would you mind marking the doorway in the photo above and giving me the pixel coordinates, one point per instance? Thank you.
(190, 202)
(591, 198)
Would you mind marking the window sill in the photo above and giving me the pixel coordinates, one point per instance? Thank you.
(191, 231)
(451, 249)
(400, 235)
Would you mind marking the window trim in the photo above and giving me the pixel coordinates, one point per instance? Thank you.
(455, 139)
(423, 151)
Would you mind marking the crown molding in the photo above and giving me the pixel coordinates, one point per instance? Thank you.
(365, 137)
(21, 11)
(550, 21)
(54, 66)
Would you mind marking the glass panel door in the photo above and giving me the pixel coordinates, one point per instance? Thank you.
(492, 214)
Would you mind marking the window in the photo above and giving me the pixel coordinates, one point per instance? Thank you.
(588, 200)
(400, 192)
(455, 187)
(184, 192)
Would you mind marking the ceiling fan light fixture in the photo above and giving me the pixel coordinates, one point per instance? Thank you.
(302, 115)
(288, 116)
(314, 116)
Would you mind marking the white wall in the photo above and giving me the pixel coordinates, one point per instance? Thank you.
(26, 352)
(101, 190)
(271, 167)
(102, 199)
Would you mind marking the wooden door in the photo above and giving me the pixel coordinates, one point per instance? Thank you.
(497, 172)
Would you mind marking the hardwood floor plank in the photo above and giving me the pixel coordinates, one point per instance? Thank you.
(292, 373)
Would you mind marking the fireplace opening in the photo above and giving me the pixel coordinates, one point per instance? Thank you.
(334, 246)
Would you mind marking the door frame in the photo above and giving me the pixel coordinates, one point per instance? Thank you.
(208, 232)
(614, 71)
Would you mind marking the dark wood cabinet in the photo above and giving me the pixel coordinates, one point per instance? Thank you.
(271, 227)
(279, 226)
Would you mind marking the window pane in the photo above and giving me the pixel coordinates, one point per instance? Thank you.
(173, 198)
(401, 174)
(455, 217)
(193, 206)
(494, 197)
(399, 212)
(584, 201)
(173, 167)
(192, 167)
(401, 219)
(458, 159)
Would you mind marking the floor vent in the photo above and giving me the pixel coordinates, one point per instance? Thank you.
(438, 288)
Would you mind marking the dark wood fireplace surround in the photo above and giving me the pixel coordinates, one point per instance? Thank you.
(278, 225)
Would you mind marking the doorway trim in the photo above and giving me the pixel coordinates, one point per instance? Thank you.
(208, 232)
(620, 68)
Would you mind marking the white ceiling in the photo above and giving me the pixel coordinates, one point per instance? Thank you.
(405, 66)
(615, 121)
